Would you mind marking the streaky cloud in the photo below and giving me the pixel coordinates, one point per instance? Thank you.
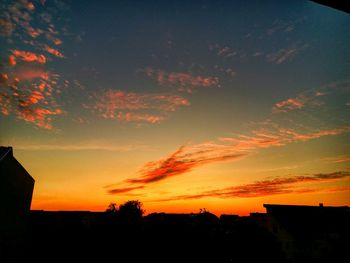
(53, 51)
(289, 104)
(79, 147)
(134, 107)
(186, 158)
(276, 186)
(124, 190)
(286, 54)
(182, 81)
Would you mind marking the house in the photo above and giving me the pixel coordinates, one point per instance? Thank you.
(16, 189)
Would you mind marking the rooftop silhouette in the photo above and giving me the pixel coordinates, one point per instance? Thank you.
(16, 189)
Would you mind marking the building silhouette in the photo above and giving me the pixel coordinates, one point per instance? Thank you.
(16, 189)
(313, 233)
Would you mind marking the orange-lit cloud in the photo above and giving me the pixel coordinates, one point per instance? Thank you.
(34, 32)
(183, 81)
(280, 185)
(130, 106)
(337, 159)
(29, 5)
(29, 56)
(137, 117)
(57, 41)
(289, 104)
(12, 60)
(244, 142)
(5, 104)
(182, 161)
(39, 116)
(18, 19)
(53, 51)
(33, 98)
(3, 78)
(309, 99)
(124, 190)
(29, 95)
(293, 136)
(313, 98)
(234, 148)
(118, 100)
(29, 90)
(279, 137)
(342, 160)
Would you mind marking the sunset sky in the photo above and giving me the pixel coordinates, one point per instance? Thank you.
(223, 105)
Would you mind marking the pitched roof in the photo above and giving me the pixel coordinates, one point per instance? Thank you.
(4, 151)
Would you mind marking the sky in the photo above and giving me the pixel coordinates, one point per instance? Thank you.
(183, 105)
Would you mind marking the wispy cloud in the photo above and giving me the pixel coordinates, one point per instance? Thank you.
(186, 158)
(276, 186)
(231, 72)
(337, 159)
(226, 52)
(124, 190)
(139, 117)
(181, 161)
(131, 106)
(289, 104)
(182, 81)
(266, 134)
(284, 55)
(88, 146)
(120, 100)
(223, 51)
(293, 136)
(281, 27)
(342, 160)
(310, 98)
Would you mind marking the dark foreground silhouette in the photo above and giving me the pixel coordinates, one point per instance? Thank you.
(156, 238)
(283, 234)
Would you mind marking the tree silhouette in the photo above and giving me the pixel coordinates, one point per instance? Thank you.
(131, 210)
(203, 210)
(112, 208)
